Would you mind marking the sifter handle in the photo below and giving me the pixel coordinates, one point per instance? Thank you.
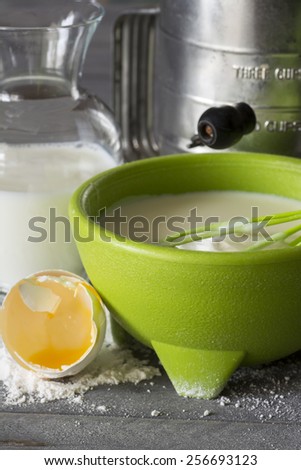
(134, 51)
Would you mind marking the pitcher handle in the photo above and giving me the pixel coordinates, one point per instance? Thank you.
(134, 51)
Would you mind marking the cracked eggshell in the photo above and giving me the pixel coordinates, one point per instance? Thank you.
(40, 299)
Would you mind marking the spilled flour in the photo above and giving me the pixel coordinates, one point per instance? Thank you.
(112, 366)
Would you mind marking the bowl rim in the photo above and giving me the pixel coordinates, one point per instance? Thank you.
(76, 208)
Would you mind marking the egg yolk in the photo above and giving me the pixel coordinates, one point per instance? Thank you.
(48, 339)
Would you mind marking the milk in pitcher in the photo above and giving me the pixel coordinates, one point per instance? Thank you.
(36, 182)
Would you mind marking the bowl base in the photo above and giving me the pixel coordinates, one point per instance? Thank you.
(197, 373)
(194, 373)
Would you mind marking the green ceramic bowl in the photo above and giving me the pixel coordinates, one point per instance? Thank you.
(203, 313)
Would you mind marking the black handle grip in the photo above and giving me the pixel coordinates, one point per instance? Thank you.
(222, 127)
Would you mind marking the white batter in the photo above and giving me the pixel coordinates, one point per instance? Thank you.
(222, 205)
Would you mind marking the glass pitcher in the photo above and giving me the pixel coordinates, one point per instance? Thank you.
(53, 134)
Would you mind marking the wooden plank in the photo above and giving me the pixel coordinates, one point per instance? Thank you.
(21, 431)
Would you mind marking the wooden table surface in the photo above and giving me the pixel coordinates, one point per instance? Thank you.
(260, 409)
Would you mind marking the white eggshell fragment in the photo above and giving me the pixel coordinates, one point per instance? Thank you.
(38, 298)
